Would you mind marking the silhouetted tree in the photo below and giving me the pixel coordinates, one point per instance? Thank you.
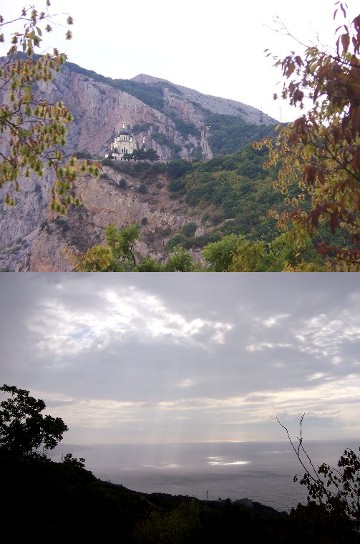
(333, 500)
(23, 428)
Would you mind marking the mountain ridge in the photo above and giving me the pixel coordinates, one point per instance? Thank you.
(176, 121)
(216, 104)
(159, 114)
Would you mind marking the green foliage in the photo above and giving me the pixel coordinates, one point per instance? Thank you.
(179, 261)
(178, 240)
(140, 169)
(96, 259)
(177, 186)
(235, 187)
(228, 134)
(187, 240)
(142, 189)
(177, 168)
(123, 183)
(287, 252)
(220, 254)
(138, 129)
(121, 242)
(147, 264)
(143, 155)
(233, 196)
(118, 255)
(32, 130)
(185, 129)
(23, 429)
(244, 212)
(189, 229)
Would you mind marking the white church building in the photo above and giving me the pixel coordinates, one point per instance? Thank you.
(122, 144)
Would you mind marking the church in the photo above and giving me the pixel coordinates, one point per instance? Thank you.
(123, 144)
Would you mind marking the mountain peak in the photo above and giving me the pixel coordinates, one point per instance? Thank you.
(214, 104)
(148, 80)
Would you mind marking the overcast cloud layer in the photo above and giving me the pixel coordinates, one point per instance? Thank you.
(186, 357)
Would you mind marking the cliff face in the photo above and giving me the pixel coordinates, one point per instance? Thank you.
(214, 104)
(169, 118)
(36, 240)
(99, 111)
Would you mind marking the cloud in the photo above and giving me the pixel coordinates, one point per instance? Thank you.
(324, 336)
(186, 383)
(161, 357)
(274, 320)
(63, 330)
(210, 414)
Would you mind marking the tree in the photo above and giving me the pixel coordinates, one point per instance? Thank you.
(23, 429)
(142, 155)
(333, 493)
(119, 255)
(96, 259)
(121, 242)
(289, 251)
(179, 261)
(220, 254)
(72, 461)
(32, 130)
(319, 153)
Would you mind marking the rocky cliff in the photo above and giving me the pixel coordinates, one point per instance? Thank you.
(34, 239)
(169, 118)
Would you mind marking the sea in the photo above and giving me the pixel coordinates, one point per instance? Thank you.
(260, 471)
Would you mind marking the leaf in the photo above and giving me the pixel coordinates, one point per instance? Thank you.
(356, 160)
(343, 9)
(356, 22)
(309, 174)
(345, 41)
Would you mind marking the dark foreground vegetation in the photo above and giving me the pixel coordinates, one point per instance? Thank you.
(63, 502)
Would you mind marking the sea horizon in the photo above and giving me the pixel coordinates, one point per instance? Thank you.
(261, 471)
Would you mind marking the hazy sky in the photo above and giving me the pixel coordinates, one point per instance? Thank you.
(216, 48)
(186, 357)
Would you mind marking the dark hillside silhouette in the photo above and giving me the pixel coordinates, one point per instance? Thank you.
(60, 502)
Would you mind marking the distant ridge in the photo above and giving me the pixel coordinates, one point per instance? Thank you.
(215, 104)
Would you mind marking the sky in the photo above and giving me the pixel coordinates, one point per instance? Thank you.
(216, 48)
(195, 357)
